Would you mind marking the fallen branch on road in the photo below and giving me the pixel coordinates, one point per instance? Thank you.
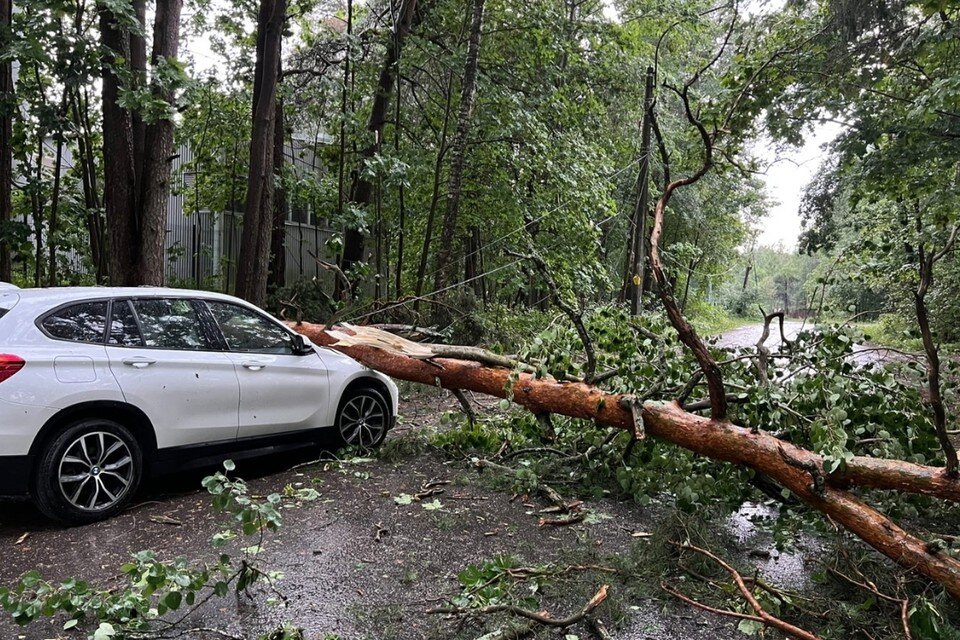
(538, 617)
(761, 614)
(719, 440)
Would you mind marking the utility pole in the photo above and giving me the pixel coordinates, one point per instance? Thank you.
(637, 254)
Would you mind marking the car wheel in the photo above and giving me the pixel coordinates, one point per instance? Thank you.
(363, 418)
(88, 472)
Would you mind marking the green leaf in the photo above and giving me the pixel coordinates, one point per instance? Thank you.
(104, 632)
(436, 505)
(749, 627)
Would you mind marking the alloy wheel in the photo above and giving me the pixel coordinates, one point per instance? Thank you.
(363, 421)
(96, 471)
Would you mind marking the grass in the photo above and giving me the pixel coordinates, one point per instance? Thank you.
(710, 320)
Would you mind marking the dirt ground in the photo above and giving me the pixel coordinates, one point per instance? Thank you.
(359, 565)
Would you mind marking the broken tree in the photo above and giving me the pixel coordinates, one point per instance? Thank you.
(797, 469)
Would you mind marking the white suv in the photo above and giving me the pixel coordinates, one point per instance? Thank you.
(102, 386)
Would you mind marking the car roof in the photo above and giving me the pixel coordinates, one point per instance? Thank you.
(66, 294)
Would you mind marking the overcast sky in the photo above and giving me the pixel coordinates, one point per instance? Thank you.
(785, 181)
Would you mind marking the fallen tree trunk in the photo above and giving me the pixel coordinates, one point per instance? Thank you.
(797, 469)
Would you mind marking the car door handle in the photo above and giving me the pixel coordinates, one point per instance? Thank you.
(253, 366)
(139, 362)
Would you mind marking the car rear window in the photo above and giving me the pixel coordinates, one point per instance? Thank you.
(7, 302)
(81, 322)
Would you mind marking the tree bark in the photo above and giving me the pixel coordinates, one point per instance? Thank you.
(157, 153)
(136, 155)
(7, 107)
(935, 395)
(446, 270)
(278, 233)
(401, 201)
(118, 158)
(252, 267)
(54, 223)
(797, 469)
(435, 197)
(88, 176)
(361, 191)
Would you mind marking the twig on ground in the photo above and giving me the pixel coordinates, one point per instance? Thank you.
(465, 405)
(762, 615)
(543, 618)
(596, 624)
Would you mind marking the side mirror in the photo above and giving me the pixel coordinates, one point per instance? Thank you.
(300, 345)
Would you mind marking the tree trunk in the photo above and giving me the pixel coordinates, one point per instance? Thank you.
(88, 177)
(935, 395)
(157, 154)
(361, 190)
(55, 203)
(796, 469)
(434, 198)
(118, 160)
(446, 269)
(252, 267)
(36, 209)
(278, 234)
(136, 155)
(401, 202)
(7, 107)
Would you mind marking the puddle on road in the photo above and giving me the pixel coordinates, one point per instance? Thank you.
(786, 568)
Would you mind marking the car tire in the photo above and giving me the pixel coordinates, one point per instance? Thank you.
(363, 418)
(88, 471)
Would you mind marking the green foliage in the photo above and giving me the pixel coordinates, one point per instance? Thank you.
(155, 587)
(490, 583)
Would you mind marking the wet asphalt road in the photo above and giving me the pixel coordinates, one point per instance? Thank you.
(355, 563)
(748, 335)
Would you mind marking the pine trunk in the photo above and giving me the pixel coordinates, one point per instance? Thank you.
(446, 269)
(253, 263)
(278, 233)
(7, 106)
(119, 187)
(796, 469)
(157, 154)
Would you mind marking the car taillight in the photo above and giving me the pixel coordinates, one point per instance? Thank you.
(9, 365)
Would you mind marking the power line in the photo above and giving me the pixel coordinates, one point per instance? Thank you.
(397, 305)
(488, 246)
(527, 223)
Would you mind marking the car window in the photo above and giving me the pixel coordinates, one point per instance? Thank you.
(82, 322)
(124, 330)
(7, 302)
(247, 331)
(170, 323)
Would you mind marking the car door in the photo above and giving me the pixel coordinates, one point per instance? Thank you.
(165, 356)
(280, 391)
